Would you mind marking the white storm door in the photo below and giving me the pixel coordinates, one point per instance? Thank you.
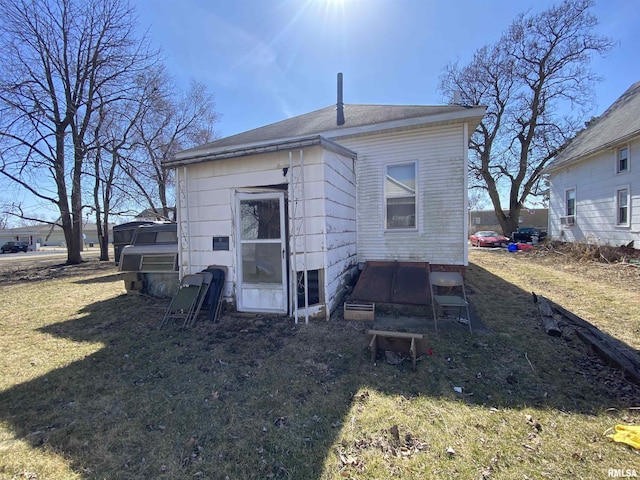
(262, 278)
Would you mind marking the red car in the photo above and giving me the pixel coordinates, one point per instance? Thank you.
(488, 238)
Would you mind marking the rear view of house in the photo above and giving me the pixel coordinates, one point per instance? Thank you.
(293, 208)
(595, 180)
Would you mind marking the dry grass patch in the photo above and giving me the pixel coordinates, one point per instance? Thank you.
(91, 388)
(605, 294)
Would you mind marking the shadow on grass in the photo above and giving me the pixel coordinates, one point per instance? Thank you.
(50, 269)
(103, 279)
(263, 398)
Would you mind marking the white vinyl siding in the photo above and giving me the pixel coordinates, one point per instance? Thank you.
(597, 186)
(439, 236)
(340, 224)
(210, 195)
(329, 207)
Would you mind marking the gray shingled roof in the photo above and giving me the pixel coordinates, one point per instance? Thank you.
(619, 123)
(323, 122)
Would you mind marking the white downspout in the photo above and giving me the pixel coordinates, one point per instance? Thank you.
(292, 215)
(304, 236)
(187, 222)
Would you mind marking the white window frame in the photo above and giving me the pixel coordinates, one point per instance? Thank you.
(386, 196)
(565, 208)
(619, 150)
(627, 222)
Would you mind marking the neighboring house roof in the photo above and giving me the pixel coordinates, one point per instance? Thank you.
(316, 125)
(619, 123)
(151, 214)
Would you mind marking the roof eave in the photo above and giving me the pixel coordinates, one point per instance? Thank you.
(293, 143)
(472, 114)
(589, 153)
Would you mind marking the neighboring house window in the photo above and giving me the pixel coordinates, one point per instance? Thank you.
(622, 162)
(476, 220)
(570, 201)
(400, 196)
(622, 206)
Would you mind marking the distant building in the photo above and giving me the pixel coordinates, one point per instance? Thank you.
(47, 235)
(487, 220)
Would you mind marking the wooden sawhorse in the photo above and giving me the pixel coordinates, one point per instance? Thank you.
(405, 342)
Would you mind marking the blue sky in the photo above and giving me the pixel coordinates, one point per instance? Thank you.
(268, 60)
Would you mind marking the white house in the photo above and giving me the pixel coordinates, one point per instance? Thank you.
(292, 208)
(595, 180)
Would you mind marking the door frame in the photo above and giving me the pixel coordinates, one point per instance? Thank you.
(262, 195)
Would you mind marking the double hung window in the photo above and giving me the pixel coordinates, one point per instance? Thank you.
(570, 202)
(622, 160)
(622, 207)
(400, 196)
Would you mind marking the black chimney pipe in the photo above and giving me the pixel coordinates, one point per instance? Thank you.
(340, 105)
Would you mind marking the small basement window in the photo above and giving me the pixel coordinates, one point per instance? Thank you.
(313, 292)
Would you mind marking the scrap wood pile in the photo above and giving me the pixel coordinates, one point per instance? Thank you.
(611, 350)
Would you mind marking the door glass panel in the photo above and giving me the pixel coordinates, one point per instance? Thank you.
(261, 263)
(260, 219)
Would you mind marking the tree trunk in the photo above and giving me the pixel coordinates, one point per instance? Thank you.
(104, 242)
(74, 248)
(509, 222)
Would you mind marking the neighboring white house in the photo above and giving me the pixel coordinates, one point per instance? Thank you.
(595, 180)
(292, 208)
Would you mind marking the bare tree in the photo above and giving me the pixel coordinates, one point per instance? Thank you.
(167, 123)
(133, 135)
(4, 214)
(62, 59)
(111, 137)
(537, 85)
